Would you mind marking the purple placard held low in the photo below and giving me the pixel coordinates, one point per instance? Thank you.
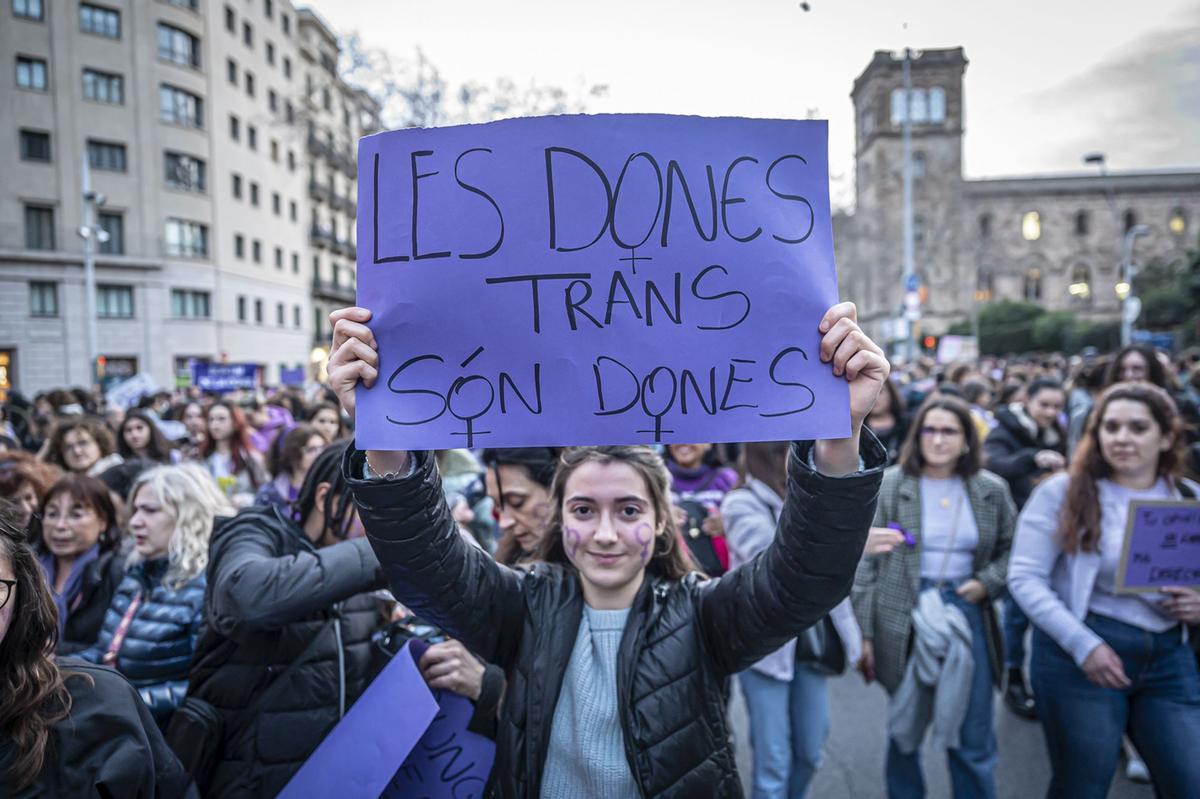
(597, 279)
(1162, 546)
(359, 757)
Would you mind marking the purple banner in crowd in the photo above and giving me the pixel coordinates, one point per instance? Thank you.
(222, 377)
(1162, 546)
(597, 279)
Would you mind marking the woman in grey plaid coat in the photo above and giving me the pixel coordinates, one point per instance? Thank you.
(951, 530)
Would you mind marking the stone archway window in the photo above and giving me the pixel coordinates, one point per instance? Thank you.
(937, 104)
(1032, 288)
(1080, 287)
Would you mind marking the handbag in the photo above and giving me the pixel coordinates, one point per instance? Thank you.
(820, 648)
(197, 729)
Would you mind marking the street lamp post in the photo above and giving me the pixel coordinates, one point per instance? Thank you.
(88, 231)
(1131, 305)
(912, 314)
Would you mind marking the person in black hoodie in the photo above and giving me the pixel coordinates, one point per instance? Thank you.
(1027, 445)
(285, 647)
(67, 728)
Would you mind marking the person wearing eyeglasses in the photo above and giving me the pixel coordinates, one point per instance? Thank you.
(289, 459)
(67, 727)
(929, 630)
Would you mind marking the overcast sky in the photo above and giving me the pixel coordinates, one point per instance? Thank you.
(1047, 81)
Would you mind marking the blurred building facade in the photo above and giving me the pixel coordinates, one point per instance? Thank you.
(1054, 240)
(196, 119)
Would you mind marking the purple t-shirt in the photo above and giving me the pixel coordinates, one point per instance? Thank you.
(704, 484)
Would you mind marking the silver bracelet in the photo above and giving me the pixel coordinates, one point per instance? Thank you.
(374, 475)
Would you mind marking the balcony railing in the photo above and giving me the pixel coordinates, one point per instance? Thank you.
(329, 290)
(321, 237)
(320, 192)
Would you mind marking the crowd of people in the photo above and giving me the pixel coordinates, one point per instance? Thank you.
(194, 591)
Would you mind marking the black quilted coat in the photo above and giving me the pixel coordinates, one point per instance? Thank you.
(682, 639)
(270, 594)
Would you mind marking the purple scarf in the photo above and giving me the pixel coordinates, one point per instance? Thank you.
(71, 587)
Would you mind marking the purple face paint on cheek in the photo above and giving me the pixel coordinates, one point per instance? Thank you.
(573, 541)
(644, 536)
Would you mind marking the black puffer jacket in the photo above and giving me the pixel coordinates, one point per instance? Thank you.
(1010, 448)
(270, 593)
(682, 639)
(90, 605)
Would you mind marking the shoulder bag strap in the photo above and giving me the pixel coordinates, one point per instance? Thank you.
(118, 639)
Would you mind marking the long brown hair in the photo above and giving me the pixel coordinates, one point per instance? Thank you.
(32, 695)
(1079, 520)
(240, 446)
(911, 460)
(669, 559)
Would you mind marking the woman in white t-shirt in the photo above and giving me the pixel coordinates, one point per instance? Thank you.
(1103, 661)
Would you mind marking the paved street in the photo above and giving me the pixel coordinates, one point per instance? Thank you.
(854, 753)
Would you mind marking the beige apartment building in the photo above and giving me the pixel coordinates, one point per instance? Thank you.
(196, 119)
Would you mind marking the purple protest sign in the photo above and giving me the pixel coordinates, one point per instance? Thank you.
(450, 761)
(1162, 546)
(359, 756)
(597, 279)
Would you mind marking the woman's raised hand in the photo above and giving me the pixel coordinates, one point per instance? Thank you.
(354, 354)
(852, 353)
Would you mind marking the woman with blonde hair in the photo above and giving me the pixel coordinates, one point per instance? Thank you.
(150, 629)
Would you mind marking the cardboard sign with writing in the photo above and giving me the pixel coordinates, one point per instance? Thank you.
(1162, 546)
(597, 279)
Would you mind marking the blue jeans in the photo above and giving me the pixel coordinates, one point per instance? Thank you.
(1015, 624)
(789, 722)
(973, 763)
(1083, 723)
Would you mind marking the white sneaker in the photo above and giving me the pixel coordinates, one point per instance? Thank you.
(1136, 771)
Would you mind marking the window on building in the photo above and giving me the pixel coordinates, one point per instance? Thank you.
(1031, 226)
(113, 224)
(252, 137)
(43, 298)
(28, 9)
(326, 98)
(1082, 223)
(114, 302)
(106, 156)
(272, 100)
(296, 264)
(867, 125)
(39, 227)
(279, 258)
(291, 161)
(31, 74)
(230, 20)
(190, 304)
(237, 186)
(103, 87)
(256, 251)
(296, 316)
(235, 128)
(1177, 224)
(276, 203)
(99, 20)
(268, 8)
(178, 46)
(247, 34)
(258, 312)
(280, 314)
(293, 212)
(35, 146)
(186, 238)
(270, 53)
(241, 308)
(985, 226)
(275, 151)
(1130, 219)
(191, 5)
(185, 172)
(239, 245)
(1032, 288)
(180, 107)
(231, 71)
(289, 113)
(249, 84)
(1080, 287)
(253, 193)
(286, 24)
(919, 106)
(287, 67)
(937, 105)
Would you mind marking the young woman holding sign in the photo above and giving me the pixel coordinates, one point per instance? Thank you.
(1102, 661)
(616, 656)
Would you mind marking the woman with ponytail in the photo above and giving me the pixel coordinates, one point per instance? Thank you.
(78, 730)
(1105, 661)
